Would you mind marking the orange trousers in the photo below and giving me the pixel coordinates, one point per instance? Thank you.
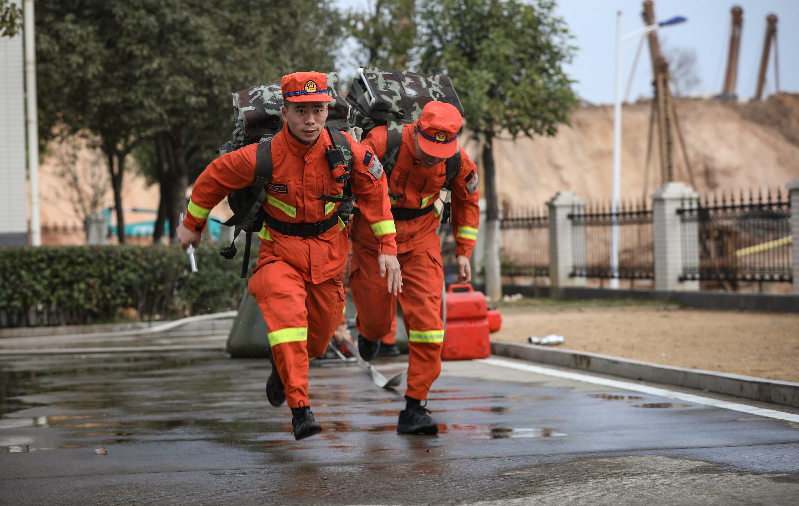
(301, 317)
(422, 284)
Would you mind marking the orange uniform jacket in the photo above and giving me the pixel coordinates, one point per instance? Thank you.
(301, 175)
(420, 187)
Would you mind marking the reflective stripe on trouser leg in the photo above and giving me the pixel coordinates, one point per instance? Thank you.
(375, 306)
(286, 301)
(422, 284)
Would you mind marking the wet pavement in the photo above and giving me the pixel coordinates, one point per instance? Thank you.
(194, 427)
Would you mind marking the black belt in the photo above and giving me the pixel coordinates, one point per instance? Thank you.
(302, 229)
(404, 214)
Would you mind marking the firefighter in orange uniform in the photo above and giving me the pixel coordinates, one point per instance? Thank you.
(304, 245)
(415, 183)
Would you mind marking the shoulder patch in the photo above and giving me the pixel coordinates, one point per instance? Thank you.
(367, 159)
(376, 168)
(471, 182)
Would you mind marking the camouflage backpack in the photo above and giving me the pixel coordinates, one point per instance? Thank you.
(257, 117)
(393, 98)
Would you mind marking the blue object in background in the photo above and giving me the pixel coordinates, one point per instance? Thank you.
(147, 228)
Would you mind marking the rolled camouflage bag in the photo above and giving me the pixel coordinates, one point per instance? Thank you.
(381, 97)
(257, 116)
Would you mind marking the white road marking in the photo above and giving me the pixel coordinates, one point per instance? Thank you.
(634, 387)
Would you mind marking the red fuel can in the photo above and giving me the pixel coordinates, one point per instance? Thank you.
(494, 320)
(466, 325)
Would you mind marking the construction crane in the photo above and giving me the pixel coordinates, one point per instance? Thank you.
(732, 57)
(663, 111)
(771, 34)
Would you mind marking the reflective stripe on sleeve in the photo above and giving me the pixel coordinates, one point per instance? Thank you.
(467, 233)
(329, 207)
(426, 336)
(264, 234)
(291, 211)
(425, 201)
(289, 335)
(198, 212)
(384, 227)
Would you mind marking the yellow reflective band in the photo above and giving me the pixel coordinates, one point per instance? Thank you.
(384, 227)
(425, 201)
(329, 207)
(291, 211)
(198, 212)
(341, 224)
(436, 211)
(290, 335)
(426, 336)
(392, 200)
(264, 234)
(467, 233)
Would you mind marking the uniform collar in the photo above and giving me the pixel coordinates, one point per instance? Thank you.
(296, 147)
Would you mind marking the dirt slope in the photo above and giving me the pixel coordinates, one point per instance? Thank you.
(730, 147)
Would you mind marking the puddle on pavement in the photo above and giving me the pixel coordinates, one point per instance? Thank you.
(503, 433)
(15, 449)
(615, 397)
(663, 405)
(15, 384)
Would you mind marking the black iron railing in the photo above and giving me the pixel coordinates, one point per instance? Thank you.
(592, 234)
(743, 239)
(525, 243)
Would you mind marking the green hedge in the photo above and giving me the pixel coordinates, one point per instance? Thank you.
(86, 284)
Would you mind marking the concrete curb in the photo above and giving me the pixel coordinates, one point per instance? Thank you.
(113, 349)
(214, 321)
(775, 392)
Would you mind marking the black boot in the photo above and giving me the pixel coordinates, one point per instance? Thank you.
(415, 419)
(368, 349)
(275, 391)
(303, 422)
(388, 350)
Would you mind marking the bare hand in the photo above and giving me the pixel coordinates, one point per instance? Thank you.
(390, 265)
(186, 237)
(464, 269)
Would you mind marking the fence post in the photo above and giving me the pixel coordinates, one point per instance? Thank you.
(670, 244)
(793, 188)
(96, 229)
(562, 249)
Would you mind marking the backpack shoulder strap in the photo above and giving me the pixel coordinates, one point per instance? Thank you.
(343, 143)
(393, 143)
(263, 164)
(453, 167)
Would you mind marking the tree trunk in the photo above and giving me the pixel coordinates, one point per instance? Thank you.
(493, 276)
(116, 184)
(163, 184)
(177, 153)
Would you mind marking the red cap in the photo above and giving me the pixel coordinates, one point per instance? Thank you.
(305, 87)
(438, 128)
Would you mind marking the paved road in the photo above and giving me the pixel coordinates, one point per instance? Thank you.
(194, 428)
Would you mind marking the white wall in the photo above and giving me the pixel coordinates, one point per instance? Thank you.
(13, 195)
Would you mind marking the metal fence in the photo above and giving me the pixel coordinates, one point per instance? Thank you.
(592, 229)
(525, 243)
(744, 240)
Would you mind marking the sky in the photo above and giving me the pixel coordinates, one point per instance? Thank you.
(707, 32)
